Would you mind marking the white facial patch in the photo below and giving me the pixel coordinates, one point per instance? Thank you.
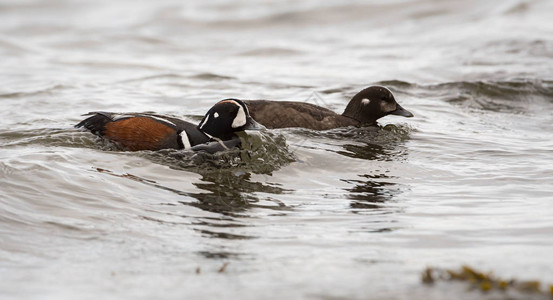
(387, 107)
(215, 115)
(185, 140)
(205, 121)
(365, 101)
(240, 119)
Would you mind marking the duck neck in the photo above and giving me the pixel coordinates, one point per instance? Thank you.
(355, 110)
(223, 137)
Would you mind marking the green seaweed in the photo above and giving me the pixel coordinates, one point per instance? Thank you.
(485, 282)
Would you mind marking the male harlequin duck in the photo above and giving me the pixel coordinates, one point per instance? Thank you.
(136, 131)
(363, 109)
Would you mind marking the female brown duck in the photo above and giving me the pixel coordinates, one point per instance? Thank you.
(364, 109)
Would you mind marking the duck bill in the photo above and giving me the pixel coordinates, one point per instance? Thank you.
(252, 124)
(400, 111)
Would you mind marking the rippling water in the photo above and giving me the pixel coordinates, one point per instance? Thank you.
(343, 214)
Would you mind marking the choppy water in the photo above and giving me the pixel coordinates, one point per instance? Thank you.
(345, 214)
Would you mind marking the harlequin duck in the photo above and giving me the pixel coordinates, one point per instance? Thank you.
(144, 131)
(363, 109)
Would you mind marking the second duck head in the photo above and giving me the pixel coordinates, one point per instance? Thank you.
(227, 117)
(373, 103)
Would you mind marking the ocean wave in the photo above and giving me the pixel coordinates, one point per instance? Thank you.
(37, 92)
(260, 152)
(505, 96)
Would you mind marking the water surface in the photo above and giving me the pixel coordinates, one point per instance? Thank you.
(344, 214)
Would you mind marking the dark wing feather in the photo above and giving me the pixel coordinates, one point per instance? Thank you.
(96, 123)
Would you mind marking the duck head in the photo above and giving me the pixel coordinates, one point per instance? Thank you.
(227, 117)
(372, 104)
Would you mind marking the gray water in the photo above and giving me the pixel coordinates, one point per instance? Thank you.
(345, 214)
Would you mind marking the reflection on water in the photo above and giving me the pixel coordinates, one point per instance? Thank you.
(230, 193)
(226, 176)
(388, 144)
(368, 151)
(373, 192)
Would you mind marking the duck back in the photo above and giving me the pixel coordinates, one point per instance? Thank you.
(283, 114)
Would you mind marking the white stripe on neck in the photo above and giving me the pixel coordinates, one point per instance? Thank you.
(204, 122)
(185, 140)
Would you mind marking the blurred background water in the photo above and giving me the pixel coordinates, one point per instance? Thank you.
(344, 214)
